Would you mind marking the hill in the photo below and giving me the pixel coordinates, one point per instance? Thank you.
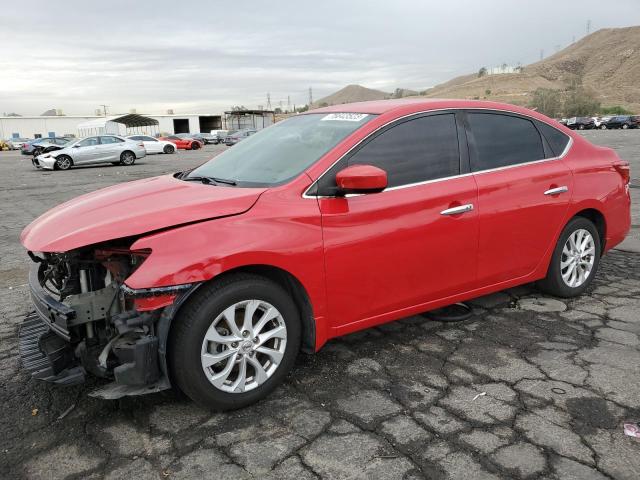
(607, 63)
(350, 94)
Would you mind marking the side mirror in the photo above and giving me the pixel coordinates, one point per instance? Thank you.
(76, 146)
(361, 179)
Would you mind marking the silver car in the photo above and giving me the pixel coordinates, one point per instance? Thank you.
(100, 149)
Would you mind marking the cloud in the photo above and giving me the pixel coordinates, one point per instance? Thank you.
(205, 56)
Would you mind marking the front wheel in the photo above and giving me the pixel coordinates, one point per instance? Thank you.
(603, 127)
(625, 126)
(63, 162)
(168, 149)
(234, 341)
(127, 158)
(575, 260)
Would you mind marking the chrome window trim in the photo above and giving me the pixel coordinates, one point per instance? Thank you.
(409, 185)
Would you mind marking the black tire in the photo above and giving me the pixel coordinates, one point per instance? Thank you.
(63, 162)
(127, 158)
(553, 282)
(581, 127)
(194, 319)
(603, 127)
(625, 126)
(195, 146)
(168, 149)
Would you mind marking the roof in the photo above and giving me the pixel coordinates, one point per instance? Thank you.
(383, 106)
(249, 112)
(130, 120)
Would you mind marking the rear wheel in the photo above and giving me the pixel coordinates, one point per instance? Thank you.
(63, 162)
(603, 127)
(168, 149)
(581, 127)
(195, 146)
(575, 259)
(625, 126)
(234, 342)
(127, 158)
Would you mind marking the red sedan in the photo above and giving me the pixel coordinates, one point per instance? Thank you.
(327, 223)
(183, 143)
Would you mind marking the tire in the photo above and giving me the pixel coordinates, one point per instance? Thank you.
(63, 162)
(204, 314)
(127, 158)
(581, 127)
(168, 149)
(625, 126)
(603, 127)
(554, 283)
(195, 146)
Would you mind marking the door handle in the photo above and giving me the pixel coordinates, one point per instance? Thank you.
(557, 190)
(457, 210)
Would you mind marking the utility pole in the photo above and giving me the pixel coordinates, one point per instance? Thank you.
(288, 103)
(541, 53)
(104, 109)
(310, 97)
(588, 27)
(268, 101)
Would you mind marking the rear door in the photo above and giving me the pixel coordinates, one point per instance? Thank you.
(110, 149)
(523, 192)
(412, 243)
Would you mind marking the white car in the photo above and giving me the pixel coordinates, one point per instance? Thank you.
(153, 145)
(17, 143)
(99, 149)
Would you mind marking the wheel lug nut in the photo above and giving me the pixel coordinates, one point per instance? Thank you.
(245, 333)
(255, 340)
(234, 344)
(251, 354)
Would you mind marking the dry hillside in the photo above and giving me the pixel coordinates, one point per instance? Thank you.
(350, 94)
(607, 63)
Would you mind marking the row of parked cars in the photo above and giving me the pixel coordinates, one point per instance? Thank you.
(603, 123)
(62, 153)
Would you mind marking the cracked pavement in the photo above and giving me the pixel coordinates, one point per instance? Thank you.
(530, 387)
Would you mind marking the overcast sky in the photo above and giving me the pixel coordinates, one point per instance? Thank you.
(204, 56)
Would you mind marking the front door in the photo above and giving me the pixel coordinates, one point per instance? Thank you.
(411, 244)
(85, 151)
(523, 192)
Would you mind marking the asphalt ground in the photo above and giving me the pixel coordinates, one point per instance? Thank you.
(530, 387)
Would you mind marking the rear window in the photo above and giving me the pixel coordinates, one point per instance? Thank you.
(503, 140)
(555, 138)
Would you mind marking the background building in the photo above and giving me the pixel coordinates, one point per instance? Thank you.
(59, 125)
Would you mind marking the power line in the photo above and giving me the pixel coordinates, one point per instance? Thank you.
(268, 101)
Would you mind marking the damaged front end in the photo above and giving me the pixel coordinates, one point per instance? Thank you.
(87, 321)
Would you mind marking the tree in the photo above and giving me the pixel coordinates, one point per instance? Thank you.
(617, 110)
(277, 110)
(238, 108)
(580, 103)
(482, 72)
(487, 92)
(547, 101)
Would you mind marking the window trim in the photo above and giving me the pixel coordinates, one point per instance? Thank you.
(465, 129)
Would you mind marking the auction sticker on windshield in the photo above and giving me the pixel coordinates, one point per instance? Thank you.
(345, 117)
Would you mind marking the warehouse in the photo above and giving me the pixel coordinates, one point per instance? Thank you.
(63, 125)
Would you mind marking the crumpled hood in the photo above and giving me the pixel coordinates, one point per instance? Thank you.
(133, 208)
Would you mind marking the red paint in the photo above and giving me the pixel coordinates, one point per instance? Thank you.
(364, 259)
(361, 178)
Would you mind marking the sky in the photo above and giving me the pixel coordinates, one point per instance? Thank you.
(206, 56)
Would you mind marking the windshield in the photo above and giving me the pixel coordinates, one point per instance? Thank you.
(282, 151)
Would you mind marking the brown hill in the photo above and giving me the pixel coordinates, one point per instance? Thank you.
(607, 63)
(350, 94)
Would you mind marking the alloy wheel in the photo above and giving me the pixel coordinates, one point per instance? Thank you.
(128, 158)
(578, 257)
(244, 346)
(63, 163)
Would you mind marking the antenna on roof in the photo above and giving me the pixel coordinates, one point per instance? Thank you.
(588, 27)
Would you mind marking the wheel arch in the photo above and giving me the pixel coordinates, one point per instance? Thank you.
(599, 220)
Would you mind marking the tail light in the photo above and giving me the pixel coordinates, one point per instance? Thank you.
(624, 170)
(141, 144)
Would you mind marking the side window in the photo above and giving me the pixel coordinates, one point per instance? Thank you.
(109, 140)
(148, 139)
(135, 137)
(555, 138)
(503, 140)
(425, 148)
(88, 142)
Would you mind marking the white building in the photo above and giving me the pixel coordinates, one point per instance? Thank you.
(50, 126)
(504, 68)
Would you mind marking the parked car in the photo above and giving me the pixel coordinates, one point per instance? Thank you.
(154, 145)
(220, 135)
(581, 123)
(623, 121)
(191, 136)
(17, 142)
(205, 138)
(100, 149)
(186, 143)
(238, 136)
(329, 222)
(43, 145)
